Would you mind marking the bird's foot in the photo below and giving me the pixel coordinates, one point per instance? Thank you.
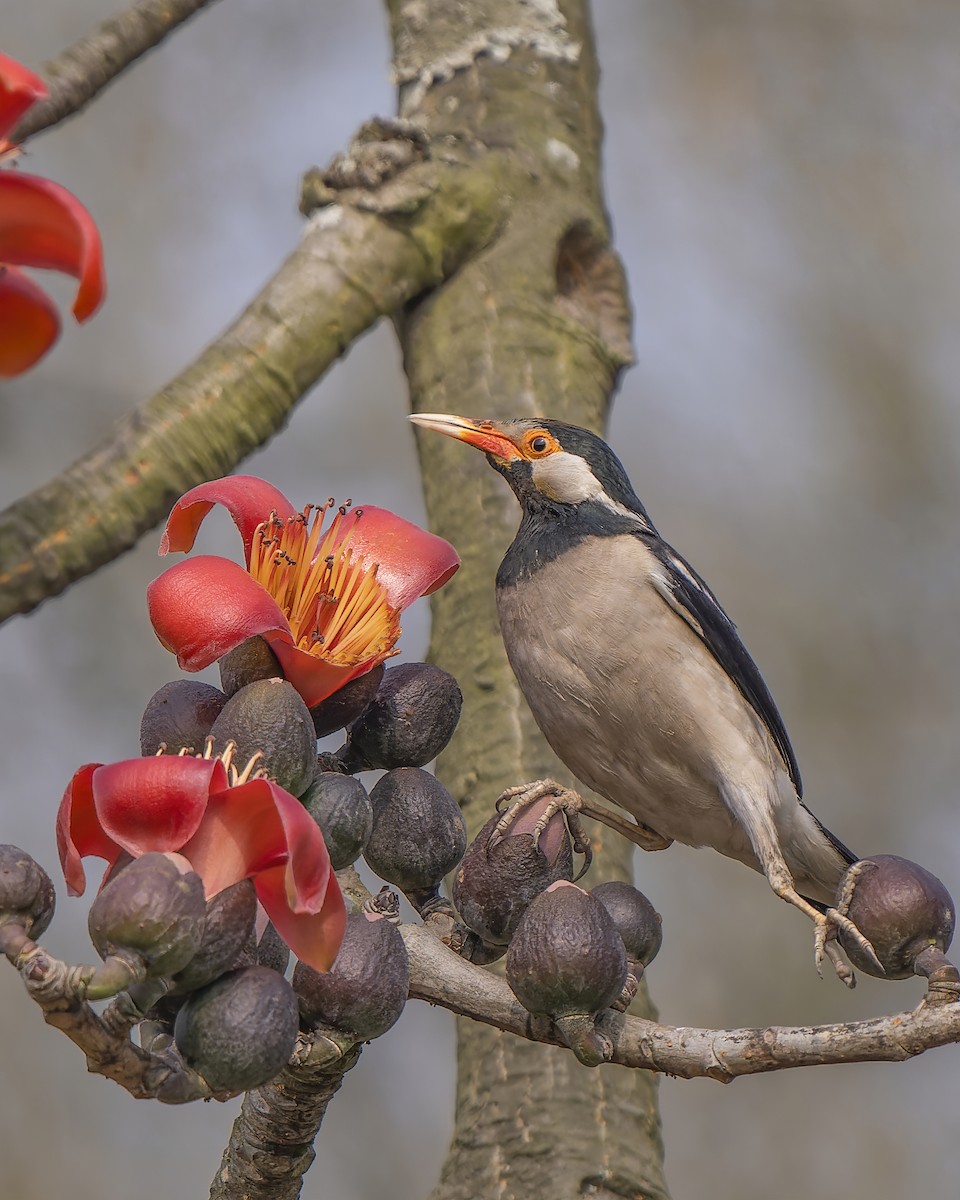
(559, 799)
(573, 805)
(828, 924)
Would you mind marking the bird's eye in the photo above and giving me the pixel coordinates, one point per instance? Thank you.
(539, 443)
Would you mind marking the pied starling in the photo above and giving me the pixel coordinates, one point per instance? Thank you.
(638, 678)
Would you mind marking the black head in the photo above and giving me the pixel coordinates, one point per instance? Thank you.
(549, 464)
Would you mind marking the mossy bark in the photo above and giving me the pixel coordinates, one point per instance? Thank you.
(537, 323)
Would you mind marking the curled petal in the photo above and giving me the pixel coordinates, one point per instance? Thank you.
(19, 88)
(314, 937)
(44, 225)
(146, 804)
(79, 832)
(257, 826)
(29, 324)
(204, 606)
(313, 677)
(411, 561)
(248, 500)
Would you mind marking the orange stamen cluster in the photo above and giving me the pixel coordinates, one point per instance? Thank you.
(336, 607)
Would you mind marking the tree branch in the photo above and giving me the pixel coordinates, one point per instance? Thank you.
(84, 69)
(438, 976)
(271, 1143)
(359, 259)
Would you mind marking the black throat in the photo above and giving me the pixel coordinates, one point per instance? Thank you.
(549, 529)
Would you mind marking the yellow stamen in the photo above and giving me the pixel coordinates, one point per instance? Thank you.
(336, 607)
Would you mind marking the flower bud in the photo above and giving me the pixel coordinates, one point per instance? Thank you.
(231, 915)
(152, 911)
(27, 897)
(637, 921)
(341, 807)
(567, 961)
(270, 716)
(494, 884)
(179, 716)
(900, 908)
(364, 992)
(247, 663)
(240, 1030)
(418, 835)
(409, 721)
(347, 703)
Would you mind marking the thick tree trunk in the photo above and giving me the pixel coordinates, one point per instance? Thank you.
(537, 324)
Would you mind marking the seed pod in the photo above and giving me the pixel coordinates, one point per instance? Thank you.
(494, 884)
(240, 1030)
(341, 807)
(409, 721)
(153, 911)
(567, 961)
(179, 716)
(637, 921)
(231, 915)
(250, 661)
(27, 897)
(419, 833)
(270, 716)
(272, 950)
(364, 992)
(900, 908)
(346, 704)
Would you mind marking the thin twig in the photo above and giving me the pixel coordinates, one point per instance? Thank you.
(441, 977)
(84, 69)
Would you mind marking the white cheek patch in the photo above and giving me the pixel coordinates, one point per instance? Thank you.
(568, 479)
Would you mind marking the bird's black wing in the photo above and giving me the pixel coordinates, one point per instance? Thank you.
(692, 599)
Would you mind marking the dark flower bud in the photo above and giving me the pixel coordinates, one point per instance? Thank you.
(272, 950)
(419, 833)
(247, 663)
(240, 1030)
(567, 961)
(27, 897)
(495, 883)
(270, 716)
(409, 721)
(152, 911)
(346, 704)
(231, 915)
(179, 716)
(341, 807)
(364, 992)
(900, 908)
(637, 921)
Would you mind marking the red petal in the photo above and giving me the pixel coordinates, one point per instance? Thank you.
(43, 225)
(79, 832)
(29, 324)
(155, 803)
(314, 678)
(19, 88)
(411, 561)
(314, 937)
(204, 606)
(248, 500)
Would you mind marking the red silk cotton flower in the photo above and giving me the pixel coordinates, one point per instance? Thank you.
(252, 830)
(328, 601)
(41, 225)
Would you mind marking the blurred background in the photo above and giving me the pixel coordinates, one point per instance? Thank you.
(784, 184)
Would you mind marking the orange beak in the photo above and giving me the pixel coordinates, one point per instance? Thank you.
(483, 435)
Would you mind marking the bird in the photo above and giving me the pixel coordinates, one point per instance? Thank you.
(637, 677)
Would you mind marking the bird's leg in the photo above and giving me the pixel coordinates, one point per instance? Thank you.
(828, 923)
(572, 804)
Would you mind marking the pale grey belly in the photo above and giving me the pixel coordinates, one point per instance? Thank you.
(633, 703)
